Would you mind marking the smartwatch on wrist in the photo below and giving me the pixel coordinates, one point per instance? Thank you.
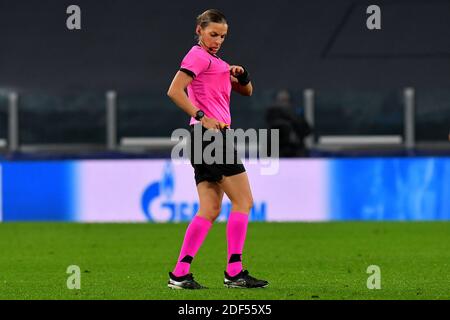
(199, 115)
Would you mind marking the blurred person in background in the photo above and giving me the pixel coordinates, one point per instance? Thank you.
(292, 126)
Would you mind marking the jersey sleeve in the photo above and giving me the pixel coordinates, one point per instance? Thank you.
(194, 63)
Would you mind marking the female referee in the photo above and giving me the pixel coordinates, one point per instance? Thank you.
(209, 81)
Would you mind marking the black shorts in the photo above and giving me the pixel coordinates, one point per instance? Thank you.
(214, 172)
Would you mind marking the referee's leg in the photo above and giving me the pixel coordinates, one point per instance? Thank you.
(237, 188)
(210, 196)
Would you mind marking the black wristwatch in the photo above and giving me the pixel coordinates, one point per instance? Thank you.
(199, 115)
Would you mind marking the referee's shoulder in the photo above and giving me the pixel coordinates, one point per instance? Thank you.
(196, 50)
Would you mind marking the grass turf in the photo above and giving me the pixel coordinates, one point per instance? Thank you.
(300, 260)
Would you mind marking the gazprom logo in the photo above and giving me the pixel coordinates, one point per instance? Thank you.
(158, 206)
(156, 200)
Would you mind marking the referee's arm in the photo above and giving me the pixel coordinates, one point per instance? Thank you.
(178, 94)
(246, 90)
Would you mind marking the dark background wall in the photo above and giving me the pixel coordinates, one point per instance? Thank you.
(137, 46)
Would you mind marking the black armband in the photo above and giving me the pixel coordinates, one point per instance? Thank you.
(244, 78)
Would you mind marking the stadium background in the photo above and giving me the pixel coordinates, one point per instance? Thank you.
(84, 137)
(62, 168)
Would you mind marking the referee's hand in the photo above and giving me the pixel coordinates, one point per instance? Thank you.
(236, 70)
(211, 123)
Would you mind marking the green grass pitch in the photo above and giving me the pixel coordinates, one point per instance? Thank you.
(300, 260)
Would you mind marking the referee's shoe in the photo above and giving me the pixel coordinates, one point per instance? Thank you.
(184, 282)
(243, 280)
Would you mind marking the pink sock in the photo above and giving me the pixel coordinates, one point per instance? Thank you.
(236, 232)
(193, 239)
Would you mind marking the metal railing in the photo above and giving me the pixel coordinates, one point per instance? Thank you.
(405, 139)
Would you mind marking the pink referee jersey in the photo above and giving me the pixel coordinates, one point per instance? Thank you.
(210, 90)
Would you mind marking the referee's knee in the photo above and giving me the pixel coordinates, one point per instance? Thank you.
(211, 213)
(243, 205)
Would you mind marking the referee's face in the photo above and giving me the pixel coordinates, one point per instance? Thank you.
(213, 36)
